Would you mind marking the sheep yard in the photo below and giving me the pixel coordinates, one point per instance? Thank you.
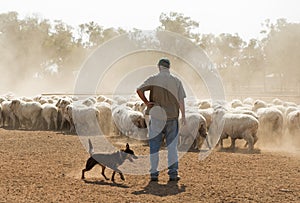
(45, 166)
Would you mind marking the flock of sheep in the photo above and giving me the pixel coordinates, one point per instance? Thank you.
(250, 119)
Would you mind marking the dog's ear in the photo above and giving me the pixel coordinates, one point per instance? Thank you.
(127, 146)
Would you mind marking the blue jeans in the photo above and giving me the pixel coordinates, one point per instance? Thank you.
(156, 130)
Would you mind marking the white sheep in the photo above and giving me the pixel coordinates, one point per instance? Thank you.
(277, 101)
(2, 99)
(248, 101)
(26, 112)
(129, 122)
(245, 107)
(8, 117)
(280, 108)
(130, 104)
(271, 121)
(119, 99)
(204, 104)
(91, 101)
(49, 114)
(194, 132)
(293, 122)
(259, 104)
(61, 105)
(68, 116)
(207, 114)
(241, 126)
(235, 126)
(290, 109)
(287, 104)
(26, 99)
(102, 98)
(85, 119)
(105, 117)
(243, 111)
(139, 106)
(236, 103)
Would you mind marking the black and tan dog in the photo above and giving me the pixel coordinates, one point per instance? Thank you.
(113, 161)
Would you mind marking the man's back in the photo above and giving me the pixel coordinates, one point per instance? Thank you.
(165, 92)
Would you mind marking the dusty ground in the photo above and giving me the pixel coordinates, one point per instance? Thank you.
(46, 167)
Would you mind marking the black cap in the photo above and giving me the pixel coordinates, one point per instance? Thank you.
(164, 62)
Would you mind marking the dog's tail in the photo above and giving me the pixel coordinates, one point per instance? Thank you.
(91, 149)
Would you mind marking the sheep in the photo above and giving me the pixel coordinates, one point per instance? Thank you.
(68, 116)
(85, 119)
(204, 104)
(26, 99)
(26, 111)
(207, 114)
(8, 117)
(248, 101)
(130, 104)
(259, 104)
(101, 98)
(277, 101)
(236, 103)
(192, 102)
(2, 99)
(287, 104)
(105, 117)
(293, 122)
(139, 106)
(243, 111)
(280, 108)
(193, 132)
(120, 100)
(271, 120)
(49, 114)
(89, 101)
(290, 109)
(245, 107)
(241, 126)
(235, 126)
(128, 121)
(61, 105)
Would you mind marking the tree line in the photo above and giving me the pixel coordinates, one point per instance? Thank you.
(36, 47)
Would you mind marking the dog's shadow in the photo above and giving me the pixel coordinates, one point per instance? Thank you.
(102, 182)
(162, 190)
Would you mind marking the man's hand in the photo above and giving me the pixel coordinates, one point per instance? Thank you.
(183, 121)
(150, 104)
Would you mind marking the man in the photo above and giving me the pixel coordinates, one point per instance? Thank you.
(166, 98)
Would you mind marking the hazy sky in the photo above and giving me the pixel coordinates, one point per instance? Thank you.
(215, 16)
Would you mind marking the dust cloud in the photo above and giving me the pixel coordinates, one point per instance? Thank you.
(285, 143)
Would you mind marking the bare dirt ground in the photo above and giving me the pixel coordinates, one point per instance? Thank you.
(44, 166)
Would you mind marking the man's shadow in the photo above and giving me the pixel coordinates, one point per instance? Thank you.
(162, 190)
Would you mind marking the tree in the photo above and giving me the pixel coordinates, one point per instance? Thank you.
(282, 50)
(90, 34)
(177, 22)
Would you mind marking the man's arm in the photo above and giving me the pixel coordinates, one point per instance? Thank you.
(143, 98)
(182, 110)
